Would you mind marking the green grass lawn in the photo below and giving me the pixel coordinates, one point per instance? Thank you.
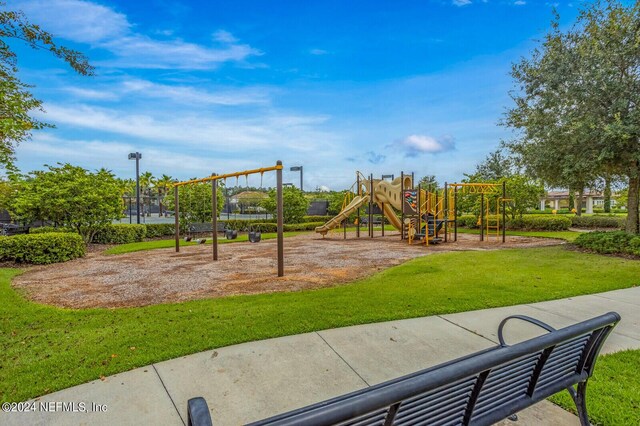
(160, 244)
(563, 235)
(613, 393)
(45, 348)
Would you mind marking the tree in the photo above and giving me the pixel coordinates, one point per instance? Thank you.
(163, 185)
(495, 166)
(69, 196)
(523, 193)
(16, 102)
(429, 183)
(576, 107)
(147, 182)
(195, 203)
(295, 204)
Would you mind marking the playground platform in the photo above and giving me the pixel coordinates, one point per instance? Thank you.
(254, 380)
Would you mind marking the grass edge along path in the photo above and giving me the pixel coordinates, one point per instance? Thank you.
(613, 393)
(170, 243)
(569, 236)
(46, 348)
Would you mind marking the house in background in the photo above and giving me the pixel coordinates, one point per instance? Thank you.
(560, 200)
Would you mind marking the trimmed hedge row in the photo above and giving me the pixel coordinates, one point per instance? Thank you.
(121, 234)
(48, 229)
(155, 230)
(43, 248)
(616, 242)
(598, 222)
(272, 227)
(528, 222)
(539, 223)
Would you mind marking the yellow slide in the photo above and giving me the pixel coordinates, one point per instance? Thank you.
(391, 216)
(357, 202)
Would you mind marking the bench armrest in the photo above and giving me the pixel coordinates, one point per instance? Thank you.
(522, 318)
(198, 412)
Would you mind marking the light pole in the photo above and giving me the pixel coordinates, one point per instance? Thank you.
(137, 156)
(298, 169)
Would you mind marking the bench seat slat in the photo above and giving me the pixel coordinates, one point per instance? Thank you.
(506, 376)
(507, 384)
(457, 402)
(435, 398)
(426, 416)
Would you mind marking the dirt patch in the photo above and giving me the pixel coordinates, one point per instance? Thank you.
(161, 276)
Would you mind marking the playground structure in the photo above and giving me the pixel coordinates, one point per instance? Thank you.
(214, 178)
(420, 215)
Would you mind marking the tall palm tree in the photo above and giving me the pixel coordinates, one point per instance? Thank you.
(163, 184)
(146, 186)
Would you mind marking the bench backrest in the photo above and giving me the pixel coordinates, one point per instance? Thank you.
(481, 388)
(9, 230)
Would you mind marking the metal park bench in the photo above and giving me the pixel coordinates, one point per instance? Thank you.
(10, 229)
(478, 389)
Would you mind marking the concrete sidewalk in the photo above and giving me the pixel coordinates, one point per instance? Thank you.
(246, 382)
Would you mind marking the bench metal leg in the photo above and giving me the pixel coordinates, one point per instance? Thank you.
(580, 399)
(198, 412)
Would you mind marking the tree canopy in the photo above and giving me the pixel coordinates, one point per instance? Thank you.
(67, 195)
(16, 101)
(295, 204)
(575, 104)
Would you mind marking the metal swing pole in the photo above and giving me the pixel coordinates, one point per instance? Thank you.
(279, 204)
(504, 213)
(402, 204)
(177, 217)
(455, 213)
(482, 219)
(359, 193)
(446, 213)
(214, 217)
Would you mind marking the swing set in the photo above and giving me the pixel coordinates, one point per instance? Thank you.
(253, 236)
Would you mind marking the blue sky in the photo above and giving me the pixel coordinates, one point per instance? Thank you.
(337, 86)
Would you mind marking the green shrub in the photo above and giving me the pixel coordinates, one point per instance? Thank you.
(309, 226)
(533, 222)
(120, 234)
(598, 222)
(155, 230)
(48, 229)
(42, 248)
(264, 227)
(468, 221)
(322, 219)
(616, 242)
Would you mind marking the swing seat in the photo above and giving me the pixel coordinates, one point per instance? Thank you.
(231, 234)
(255, 237)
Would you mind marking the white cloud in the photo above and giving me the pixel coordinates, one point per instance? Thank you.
(224, 37)
(110, 90)
(102, 27)
(98, 95)
(318, 52)
(460, 2)
(268, 131)
(420, 144)
(190, 95)
(519, 2)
